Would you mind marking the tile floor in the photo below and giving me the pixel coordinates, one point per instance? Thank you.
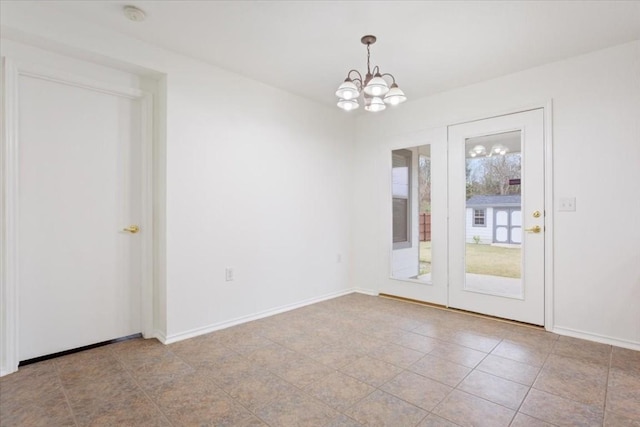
(351, 361)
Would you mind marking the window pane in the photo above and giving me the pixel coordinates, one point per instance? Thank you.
(401, 194)
(400, 216)
(400, 182)
(478, 217)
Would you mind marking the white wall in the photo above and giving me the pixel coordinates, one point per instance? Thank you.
(256, 179)
(596, 158)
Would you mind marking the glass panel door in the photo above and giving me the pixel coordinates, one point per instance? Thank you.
(416, 218)
(496, 216)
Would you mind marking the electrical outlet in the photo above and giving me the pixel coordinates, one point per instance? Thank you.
(567, 204)
(228, 274)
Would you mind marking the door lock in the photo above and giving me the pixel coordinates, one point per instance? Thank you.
(536, 214)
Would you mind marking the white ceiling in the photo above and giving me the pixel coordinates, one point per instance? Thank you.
(306, 47)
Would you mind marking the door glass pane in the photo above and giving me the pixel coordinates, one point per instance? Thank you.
(401, 197)
(493, 226)
(424, 211)
(411, 222)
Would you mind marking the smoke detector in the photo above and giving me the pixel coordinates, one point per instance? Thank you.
(134, 14)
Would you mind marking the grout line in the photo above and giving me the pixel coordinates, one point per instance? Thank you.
(443, 399)
(437, 381)
(606, 387)
(64, 391)
(269, 402)
(534, 381)
(448, 342)
(379, 388)
(243, 356)
(568, 398)
(521, 403)
(462, 380)
(128, 371)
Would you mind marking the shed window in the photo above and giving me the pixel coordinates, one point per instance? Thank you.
(479, 217)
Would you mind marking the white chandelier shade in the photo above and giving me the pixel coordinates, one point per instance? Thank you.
(348, 90)
(348, 104)
(376, 86)
(395, 95)
(375, 91)
(374, 104)
(480, 150)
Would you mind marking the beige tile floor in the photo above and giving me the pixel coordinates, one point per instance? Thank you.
(351, 361)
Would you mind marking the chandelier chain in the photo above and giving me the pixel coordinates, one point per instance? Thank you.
(368, 58)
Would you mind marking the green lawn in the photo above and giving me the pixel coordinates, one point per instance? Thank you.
(481, 259)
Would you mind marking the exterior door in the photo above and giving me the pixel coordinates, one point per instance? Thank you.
(79, 187)
(501, 157)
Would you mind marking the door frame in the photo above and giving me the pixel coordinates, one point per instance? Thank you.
(547, 109)
(407, 287)
(9, 292)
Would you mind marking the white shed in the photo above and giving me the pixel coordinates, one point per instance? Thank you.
(494, 219)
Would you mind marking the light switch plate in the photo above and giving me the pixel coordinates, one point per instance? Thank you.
(567, 204)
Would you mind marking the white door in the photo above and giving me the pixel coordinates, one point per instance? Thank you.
(79, 186)
(498, 160)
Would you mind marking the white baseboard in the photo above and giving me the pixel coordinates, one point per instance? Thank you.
(160, 336)
(5, 371)
(365, 291)
(596, 337)
(244, 319)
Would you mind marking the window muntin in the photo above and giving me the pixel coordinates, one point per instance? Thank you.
(479, 217)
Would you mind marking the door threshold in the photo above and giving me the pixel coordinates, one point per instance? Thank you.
(458, 310)
(77, 350)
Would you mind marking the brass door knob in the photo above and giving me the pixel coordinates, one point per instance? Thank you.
(133, 229)
(535, 229)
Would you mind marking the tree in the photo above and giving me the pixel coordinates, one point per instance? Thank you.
(491, 175)
(424, 183)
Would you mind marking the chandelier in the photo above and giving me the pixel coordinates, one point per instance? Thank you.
(481, 150)
(375, 90)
